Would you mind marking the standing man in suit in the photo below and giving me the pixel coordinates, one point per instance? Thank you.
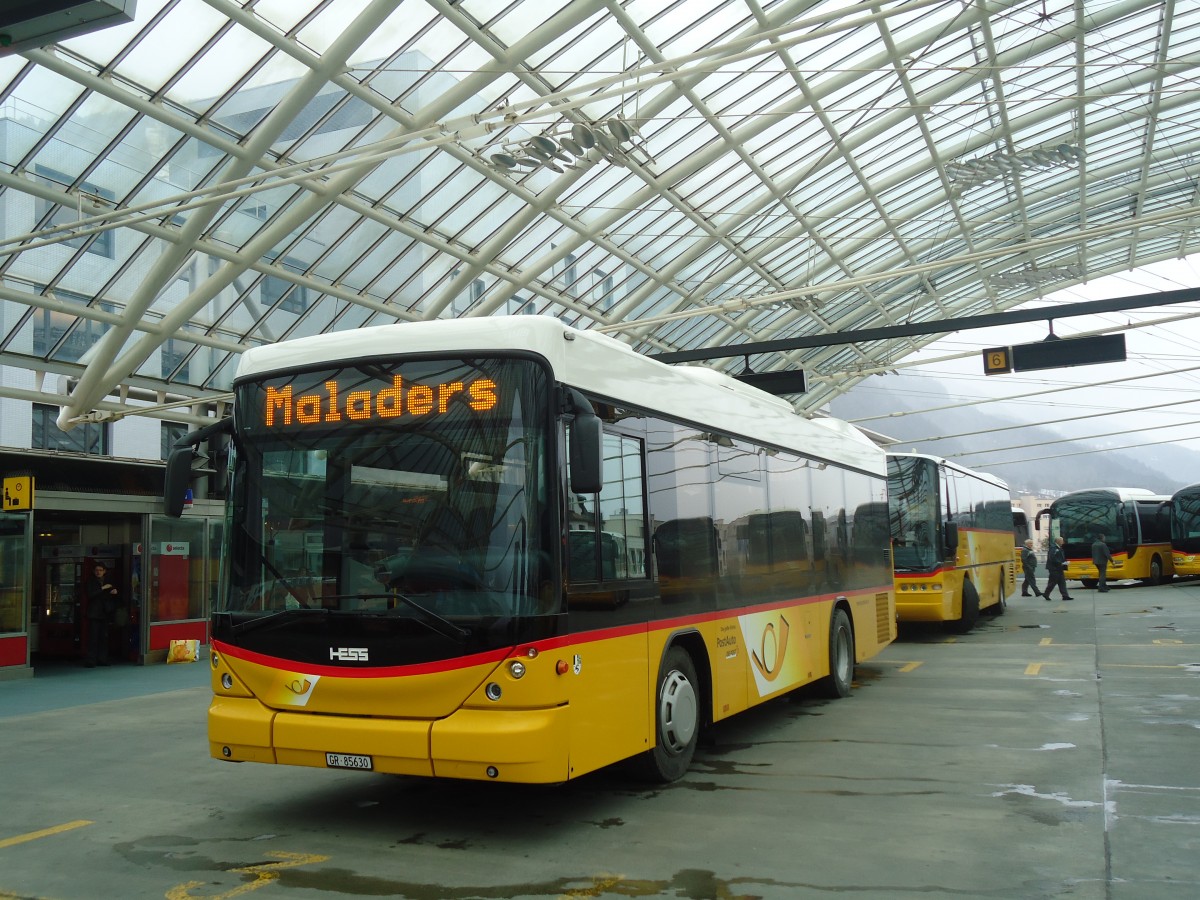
(1101, 557)
(102, 603)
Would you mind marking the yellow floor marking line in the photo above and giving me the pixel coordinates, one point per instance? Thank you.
(1033, 669)
(905, 665)
(45, 832)
(1134, 666)
(599, 886)
(265, 873)
(1045, 642)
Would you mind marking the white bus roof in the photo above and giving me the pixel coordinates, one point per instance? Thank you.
(985, 476)
(596, 364)
(1120, 493)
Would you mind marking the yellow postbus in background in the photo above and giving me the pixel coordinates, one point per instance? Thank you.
(506, 549)
(952, 541)
(1185, 530)
(1134, 522)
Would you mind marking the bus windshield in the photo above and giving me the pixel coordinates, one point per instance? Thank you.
(913, 508)
(1079, 520)
(390, 490)
(1185, 519)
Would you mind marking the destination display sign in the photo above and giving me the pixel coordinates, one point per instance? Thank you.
(283, 406)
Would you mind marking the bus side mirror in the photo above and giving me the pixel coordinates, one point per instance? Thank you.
(179, 464)
(587, 454)
(951, 532)
(175, 483)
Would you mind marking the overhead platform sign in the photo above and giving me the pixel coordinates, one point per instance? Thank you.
(1054, 353)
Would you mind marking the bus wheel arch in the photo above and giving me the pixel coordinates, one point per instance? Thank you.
(679, 711)
(837, 683)
(970, 610)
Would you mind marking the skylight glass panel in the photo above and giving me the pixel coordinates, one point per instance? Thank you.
(223, 65)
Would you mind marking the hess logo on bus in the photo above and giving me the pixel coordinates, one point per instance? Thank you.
(283, 408)
(348, 654)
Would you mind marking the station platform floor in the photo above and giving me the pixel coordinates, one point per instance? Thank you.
(62, 685)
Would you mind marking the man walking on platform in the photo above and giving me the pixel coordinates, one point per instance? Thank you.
(1056, 566)
(1029, 567)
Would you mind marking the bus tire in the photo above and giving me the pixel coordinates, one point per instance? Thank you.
(1089, 582)
(836, 684)
(1156, 572)
(970, 610)
(1001, 605)
(677, 718)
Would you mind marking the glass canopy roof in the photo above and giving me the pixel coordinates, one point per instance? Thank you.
(689, 174)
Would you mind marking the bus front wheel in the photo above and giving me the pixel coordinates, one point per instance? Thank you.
(1156, 572)
(677, 715)
(970, 610)
(841, 657)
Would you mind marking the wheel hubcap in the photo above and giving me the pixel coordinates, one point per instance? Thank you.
(677, 711)
(843, 656)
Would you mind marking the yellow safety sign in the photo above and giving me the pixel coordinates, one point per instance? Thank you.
(18, 492)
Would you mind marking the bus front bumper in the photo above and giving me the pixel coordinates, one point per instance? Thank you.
(528, 745)
(923, 602)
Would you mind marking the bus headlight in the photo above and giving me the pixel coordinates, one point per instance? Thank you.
(493, 691)
(516, 668)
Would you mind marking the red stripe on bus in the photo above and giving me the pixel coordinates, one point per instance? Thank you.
(499, 654)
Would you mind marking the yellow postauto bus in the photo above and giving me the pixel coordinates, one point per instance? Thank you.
(1185, 530)
(506, 549)
(1134, 522)
(952, 541)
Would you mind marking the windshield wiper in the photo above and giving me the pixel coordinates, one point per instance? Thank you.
(439, 624)
(274, 618)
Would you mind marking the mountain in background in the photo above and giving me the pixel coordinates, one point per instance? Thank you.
(1058, 466)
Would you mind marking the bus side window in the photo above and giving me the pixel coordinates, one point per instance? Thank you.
(607, 536)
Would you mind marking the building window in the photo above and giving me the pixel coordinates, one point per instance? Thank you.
(521, 306)
(603, 289)
(173, 353)
(291, 297)
(103, 245)
(90, 437)
(72, 335)
(171, 433)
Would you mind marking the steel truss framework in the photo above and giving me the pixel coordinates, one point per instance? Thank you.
(219, 175)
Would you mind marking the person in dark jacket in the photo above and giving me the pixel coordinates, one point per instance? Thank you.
(1029, 567)
(1101, 557)
(102, 602)
(1056, 566)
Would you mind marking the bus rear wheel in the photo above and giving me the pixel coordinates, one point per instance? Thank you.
(677, 718)
(970, 610)
(836, 684)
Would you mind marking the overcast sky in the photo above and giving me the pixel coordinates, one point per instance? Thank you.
(1151, 351)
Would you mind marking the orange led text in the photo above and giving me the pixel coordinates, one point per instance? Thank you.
(282, 408)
